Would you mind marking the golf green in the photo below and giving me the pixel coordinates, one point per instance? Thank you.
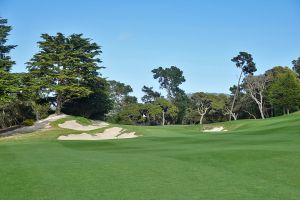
(255, 159)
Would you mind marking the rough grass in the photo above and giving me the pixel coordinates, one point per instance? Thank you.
(255, 159)
(80, 120)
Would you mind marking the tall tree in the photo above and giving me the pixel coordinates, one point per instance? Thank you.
(64, 64)
(169, 79)
(273, 74)
(5, 61)
(255, 86)
(150, 95)
(9, 82)
(296, 66)
(201, 103)
(284, 92)
(243, 61)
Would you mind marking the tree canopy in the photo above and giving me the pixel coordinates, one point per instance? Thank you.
(64, 65)
(5, 61)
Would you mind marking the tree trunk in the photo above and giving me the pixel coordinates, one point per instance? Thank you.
(58, 104)
(288, 111)
(35, 109)
(37, 115)
(163, 118)
(235, 95)
(261, 111)
(201, 119)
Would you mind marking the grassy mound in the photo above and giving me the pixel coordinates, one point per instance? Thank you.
(80, 120)
(255, 159)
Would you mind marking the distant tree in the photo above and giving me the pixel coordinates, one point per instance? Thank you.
(296, 66)
(191, 116)
(284, 92)
(201, 104)
(130, 114)
(167, 109)
(243, 61)
(274, 74)
(152, 113)
(181, 101)
(5, 61)
(64, 64)
(150, 95)
(218, 102)
(255, 87)
(119, 92)
(130, 100)
(169, 79)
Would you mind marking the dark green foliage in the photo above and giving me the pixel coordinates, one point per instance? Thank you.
(274, 74)
(150, 95)
(64, 66)
(244, 61)
(28, 122)
(159, 112)
(169, 112)
(130, 100)
(9, 87)
(285, 92)
(181, 101)
(14, 113)
(33, 94)
(5, 61)
(169, 79)
(94, 106)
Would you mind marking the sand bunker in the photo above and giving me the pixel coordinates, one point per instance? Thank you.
(108, 134)
(72, 124)
(215, 129)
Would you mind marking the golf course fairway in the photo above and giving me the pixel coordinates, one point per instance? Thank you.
(254, 159)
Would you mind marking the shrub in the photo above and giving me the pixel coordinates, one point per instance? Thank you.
(28, 122)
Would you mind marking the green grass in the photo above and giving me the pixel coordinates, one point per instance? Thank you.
(256, 159)
(80, 120)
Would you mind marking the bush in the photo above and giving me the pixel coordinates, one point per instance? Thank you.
(28, 122)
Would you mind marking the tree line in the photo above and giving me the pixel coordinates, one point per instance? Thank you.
(64, 76)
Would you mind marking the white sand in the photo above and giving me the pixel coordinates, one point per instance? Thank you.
(215, 129)
(108, 134)
(52, 118)
(72, 124)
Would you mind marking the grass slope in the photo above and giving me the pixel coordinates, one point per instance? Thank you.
(256, 159)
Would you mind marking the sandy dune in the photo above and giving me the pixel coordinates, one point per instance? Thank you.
(72, 124)
(108, 134)
(41, 125)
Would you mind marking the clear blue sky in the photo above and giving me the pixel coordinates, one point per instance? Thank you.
(198, 36)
